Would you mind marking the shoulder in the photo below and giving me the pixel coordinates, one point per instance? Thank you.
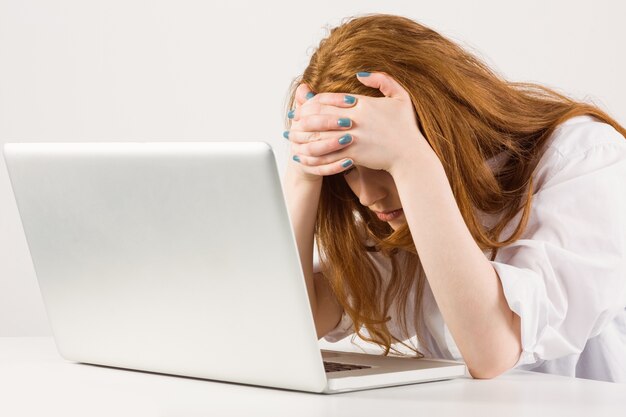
(580, 134)
(581, 144)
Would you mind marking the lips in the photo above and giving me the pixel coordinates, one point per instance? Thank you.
(388, 216)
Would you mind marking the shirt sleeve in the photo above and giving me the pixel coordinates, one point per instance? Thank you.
(566, 276)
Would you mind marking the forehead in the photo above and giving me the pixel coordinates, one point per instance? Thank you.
(367, 174)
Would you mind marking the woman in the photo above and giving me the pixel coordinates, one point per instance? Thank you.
(482, 216)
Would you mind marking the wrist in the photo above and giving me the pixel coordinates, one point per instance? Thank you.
(295, 174)
(417, 156)
(301, 189)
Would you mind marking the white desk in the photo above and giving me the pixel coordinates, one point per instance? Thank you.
(35, 381)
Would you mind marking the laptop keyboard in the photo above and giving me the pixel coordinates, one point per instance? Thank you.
(338, 367)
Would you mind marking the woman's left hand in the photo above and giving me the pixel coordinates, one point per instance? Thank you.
(383, 130)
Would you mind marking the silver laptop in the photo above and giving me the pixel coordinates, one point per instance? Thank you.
(179, 258)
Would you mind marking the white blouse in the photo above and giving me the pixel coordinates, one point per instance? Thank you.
(566, 275)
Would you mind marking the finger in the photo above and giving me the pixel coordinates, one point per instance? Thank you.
(302, 137)
(303, 93)
(324, 122)
(310, 107)
(315, 107)
(332, 168)
(322, 147)
(383, 82)
(337, 99)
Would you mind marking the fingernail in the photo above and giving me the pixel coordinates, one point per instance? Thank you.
(363, 74)
(347, 163)
(349, 99)
(296, 158)
(291, 114)
(309, 95)
(345, 139)
(344, 122)
(286, 134)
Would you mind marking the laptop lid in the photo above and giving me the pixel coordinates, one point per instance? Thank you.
(176, 258)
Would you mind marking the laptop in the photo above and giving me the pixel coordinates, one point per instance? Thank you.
(179, 258)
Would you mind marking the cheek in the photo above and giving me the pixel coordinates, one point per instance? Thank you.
(392, 191)
(353, 183)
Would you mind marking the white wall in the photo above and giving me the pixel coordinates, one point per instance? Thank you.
(75, 70)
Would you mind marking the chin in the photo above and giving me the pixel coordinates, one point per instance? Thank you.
(396, 225)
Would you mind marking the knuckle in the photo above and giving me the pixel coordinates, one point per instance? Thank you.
(307, 137)
(314, 161)
(327, 160)
(295, 137)
(322, 98)
(312, 123)
(295, 148)
(315, 150)
(330, 169)
(305, 123)
(310, 107)
(330, 146)
(307, 150)
(323, 170)
(315, 107)
(320, 148)
(333, 99)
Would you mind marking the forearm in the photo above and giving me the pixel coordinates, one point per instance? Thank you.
(464, 283)
(302, 197)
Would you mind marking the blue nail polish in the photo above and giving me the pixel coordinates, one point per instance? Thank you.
(363, 74)
(349, 99)
(286, 134)
(347, 163)
(296, 158)
(309, 95)
(345, 139)
(291, 114)
(344, 122)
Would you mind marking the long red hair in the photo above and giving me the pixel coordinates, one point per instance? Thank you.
(468, 114)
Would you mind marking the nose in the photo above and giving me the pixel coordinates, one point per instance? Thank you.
(371, 188)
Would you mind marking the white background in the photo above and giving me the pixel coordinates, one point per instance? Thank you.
(118, 70)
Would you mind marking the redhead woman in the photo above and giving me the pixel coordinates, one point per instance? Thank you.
(456, 213)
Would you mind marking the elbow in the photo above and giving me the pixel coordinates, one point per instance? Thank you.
(493, 367)
(498, 356)
(486, 372)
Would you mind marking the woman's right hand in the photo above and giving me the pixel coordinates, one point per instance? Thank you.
(327, 141)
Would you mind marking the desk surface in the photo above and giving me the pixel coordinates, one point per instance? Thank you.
(35, 381)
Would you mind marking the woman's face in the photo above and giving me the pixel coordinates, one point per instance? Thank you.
(376, 190)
